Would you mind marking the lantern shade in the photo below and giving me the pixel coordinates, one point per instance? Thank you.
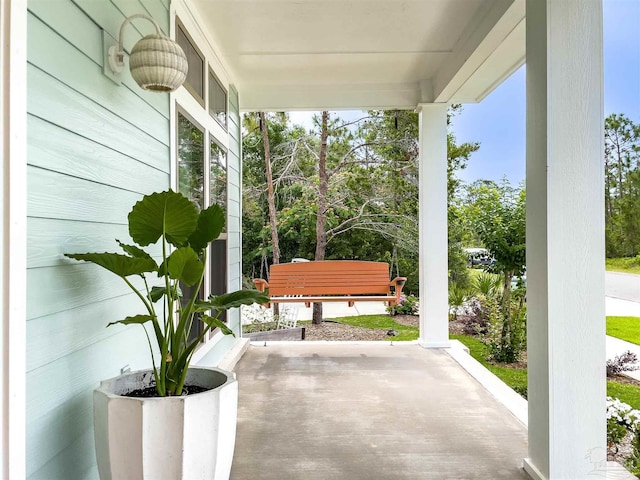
(157, 63)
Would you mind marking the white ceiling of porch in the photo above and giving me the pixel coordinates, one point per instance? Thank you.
(340, 54)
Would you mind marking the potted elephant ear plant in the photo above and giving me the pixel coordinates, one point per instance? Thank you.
(172, 421)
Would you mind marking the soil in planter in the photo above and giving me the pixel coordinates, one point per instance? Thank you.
(151, 392)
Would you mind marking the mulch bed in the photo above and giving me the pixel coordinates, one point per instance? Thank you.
(333, 331)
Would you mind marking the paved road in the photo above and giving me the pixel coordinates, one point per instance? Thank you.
(622, 285)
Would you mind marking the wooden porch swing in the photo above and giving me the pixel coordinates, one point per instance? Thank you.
(331, 281)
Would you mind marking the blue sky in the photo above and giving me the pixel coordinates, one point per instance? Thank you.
(498, 122)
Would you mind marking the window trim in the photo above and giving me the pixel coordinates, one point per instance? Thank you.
(196, 110)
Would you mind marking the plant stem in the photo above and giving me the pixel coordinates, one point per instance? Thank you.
(149, 309)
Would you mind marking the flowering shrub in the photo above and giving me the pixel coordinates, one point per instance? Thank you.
(622, 363)
(621, 414)
(408, 305)
(257, 319)
(255, 314)
(623, 420)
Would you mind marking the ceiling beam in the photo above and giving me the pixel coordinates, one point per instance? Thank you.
(494, 30)
(402, 96)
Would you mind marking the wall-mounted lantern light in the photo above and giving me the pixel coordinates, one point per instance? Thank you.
(157, 63)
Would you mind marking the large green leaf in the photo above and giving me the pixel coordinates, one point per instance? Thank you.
(135, 319)
(216, 323)
(134, 251)
(165, 213)
(210, 224)
(121, 265)
(184, 265)
(227, 301)
(157, 293)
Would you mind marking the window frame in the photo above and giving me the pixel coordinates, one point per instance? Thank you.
(187, 103)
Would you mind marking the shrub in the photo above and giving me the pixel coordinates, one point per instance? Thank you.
(506, 337)
(622, 363)
(458, 296)
(623, 413)
(475, 316)
(487, 284)
(256, 318)
(408, 305)
(632, 262)
(622, 420)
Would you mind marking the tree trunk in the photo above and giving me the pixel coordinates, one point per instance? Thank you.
(620, 168)
(271, 199)
(607, 192)
(321, 217)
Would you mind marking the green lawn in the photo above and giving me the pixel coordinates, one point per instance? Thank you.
(474, 272)
(517, 378)
(627, 393)
(624, 328)
(625, 265)
(381, 322)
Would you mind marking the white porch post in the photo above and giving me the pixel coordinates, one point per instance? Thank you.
(13, 241)
(565, 239)
(434, 297)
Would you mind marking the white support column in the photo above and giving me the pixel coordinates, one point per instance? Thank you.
(565, 239)
(13, 218)
(434, 289)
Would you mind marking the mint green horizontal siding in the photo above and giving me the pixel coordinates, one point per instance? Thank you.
(53, 101)
(234, 224)
(233, 207)
(234, 188)
(52, 148)
(233, 176)
(159, 11)
(56, 195)
(55, 335)
(71, 392)
(85, 77)
(49, 238)
(70, 22)
(94, 148)
(56, 289)
(77, 461)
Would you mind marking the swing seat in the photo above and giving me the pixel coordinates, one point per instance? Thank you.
(331, 281)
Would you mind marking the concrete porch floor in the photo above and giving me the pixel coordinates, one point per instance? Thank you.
(369, 411)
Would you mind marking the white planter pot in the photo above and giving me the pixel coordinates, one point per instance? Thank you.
(189, 437)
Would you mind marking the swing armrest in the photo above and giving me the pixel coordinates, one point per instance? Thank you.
(261, 285)
(398, 283)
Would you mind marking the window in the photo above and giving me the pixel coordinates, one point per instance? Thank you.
(218, 195)
(201, 158)
(217, 100)
(195, 60)
(191, 161)
(218, 176)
